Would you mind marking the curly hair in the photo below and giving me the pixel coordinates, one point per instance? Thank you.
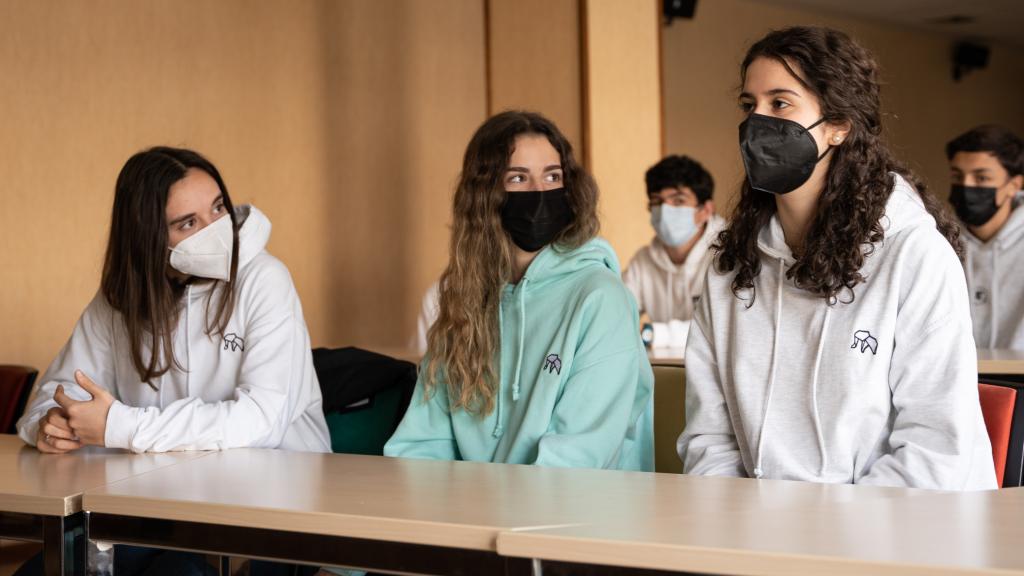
(463, 344)
(674, 171)
(844, 78)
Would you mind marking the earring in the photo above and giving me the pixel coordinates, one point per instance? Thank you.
(836, 139)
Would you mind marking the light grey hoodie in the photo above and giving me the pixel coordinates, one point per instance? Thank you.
(995, 281)
(253, 387)
(883, 390)
(663, 289)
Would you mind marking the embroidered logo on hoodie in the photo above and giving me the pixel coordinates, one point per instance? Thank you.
(553, 364)
(234, 342)
(865, 340)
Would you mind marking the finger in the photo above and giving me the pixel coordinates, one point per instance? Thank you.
(58, 432)
(64, 445)
(42, 446)
(57, 417)
(63, 399)
(88, 385)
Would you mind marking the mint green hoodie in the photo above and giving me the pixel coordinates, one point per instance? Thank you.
(575, 380)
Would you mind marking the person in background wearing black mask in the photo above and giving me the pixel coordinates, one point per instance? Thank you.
(987, 171)
(833, 340)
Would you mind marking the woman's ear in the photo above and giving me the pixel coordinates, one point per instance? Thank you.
(837, 133)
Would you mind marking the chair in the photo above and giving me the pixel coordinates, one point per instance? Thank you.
(997, 407)
(669, 416)
(1002, 404)
(15, 387)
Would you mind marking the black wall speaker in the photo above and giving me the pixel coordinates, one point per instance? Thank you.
(678, 9)
(968, 56)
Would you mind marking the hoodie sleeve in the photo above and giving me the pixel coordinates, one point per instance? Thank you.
(275, 356)
(938, 439)
(91, 350)
(426, 429)
(601, 411)
(708, 444)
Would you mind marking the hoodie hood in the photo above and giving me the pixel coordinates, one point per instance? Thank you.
(903, 210)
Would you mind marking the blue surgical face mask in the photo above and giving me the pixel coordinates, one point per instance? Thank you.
(674, 225)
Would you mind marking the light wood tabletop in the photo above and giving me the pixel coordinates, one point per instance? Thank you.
(1001, 361)
(52, 484)
(989, 361)
(932, 534)
(439, 503)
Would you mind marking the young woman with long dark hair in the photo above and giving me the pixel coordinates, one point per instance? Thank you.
(833, 341)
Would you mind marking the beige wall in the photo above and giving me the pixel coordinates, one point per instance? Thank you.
(924, 107)
(344, 121)
(623, 114)
(534, 60)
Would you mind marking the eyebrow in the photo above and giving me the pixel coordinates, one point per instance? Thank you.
(180, 219)
(773, 92)
(550, 168)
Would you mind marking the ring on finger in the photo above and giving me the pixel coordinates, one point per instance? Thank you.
(47, 438)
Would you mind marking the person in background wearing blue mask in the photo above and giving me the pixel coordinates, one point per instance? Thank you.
(987, 171)
(535, 357)
(833, 341)
(667, 275)
(194, 341)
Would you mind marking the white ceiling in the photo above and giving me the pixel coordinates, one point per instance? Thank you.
(993, 20)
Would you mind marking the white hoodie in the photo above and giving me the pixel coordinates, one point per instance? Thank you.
(664, 289)
(995, 281)
(253, 387)
(880, 391)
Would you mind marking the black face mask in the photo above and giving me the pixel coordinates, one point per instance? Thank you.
(975, 205)
(534, 219)
(779, 154)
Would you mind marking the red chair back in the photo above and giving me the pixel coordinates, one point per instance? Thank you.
(997, 404)
(15, 385)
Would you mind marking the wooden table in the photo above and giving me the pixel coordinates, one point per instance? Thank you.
(935, 534)
(990, 362)
(388, 514)
(41, 494)
(995, 362)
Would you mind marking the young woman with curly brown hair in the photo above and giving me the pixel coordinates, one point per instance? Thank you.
(535, 357)
(833, 342)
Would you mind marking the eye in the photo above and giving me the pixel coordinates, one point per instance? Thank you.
(218, 208)
(780, 104)
(516, 179)
(554, 177)
(747, 107)
(187, 224)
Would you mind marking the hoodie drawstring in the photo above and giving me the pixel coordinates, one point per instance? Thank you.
(498, 409)
(670, 277)
(188, 342)
(758, 471)
(814, 393)
(521, 289)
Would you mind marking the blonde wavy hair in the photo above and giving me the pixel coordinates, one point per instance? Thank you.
(464, 344)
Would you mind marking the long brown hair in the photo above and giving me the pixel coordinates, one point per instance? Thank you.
(135, 278)
(844, 77)
(464, 342)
